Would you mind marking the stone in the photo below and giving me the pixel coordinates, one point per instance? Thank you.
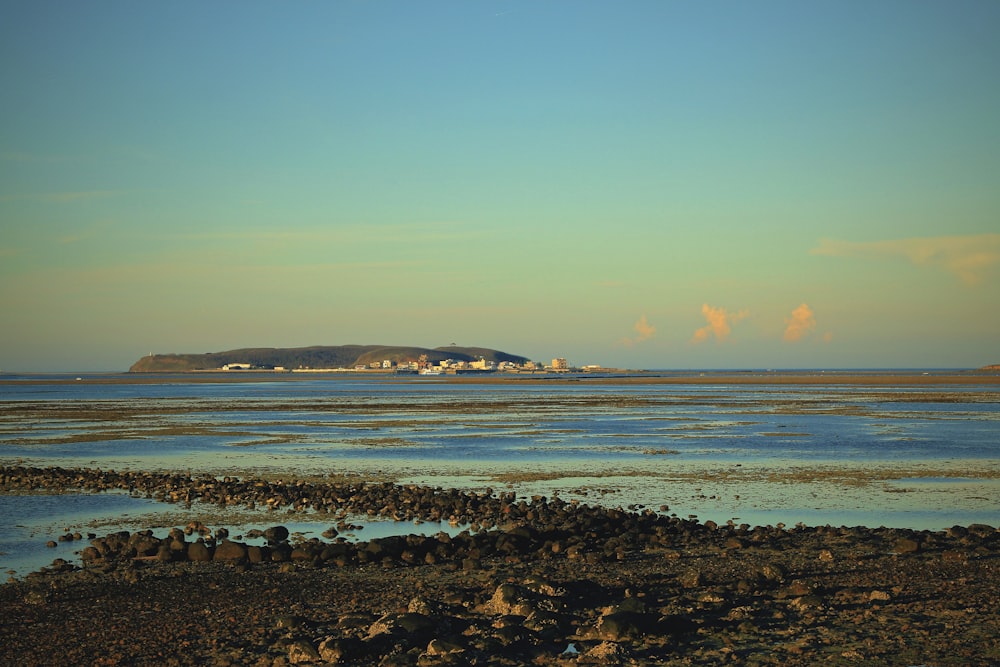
(198, 551)
(228, 551)
(906, 546)
(439, 647)
(407, 623)
(734, 543)
(772, 572)
(301, 651)
(276, 534)
(333, 650)
(281, 552)
(690, 579)
(606, 653)
(621, 625)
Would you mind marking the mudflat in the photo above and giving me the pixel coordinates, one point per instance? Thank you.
(625, 377)
(532, 581)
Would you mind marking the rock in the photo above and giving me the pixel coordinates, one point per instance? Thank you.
(438, 647)
(906, 546)
(301, 651)
(879, 596)
(507, 599)
(290, 622)
(621, 625)
(690, 579)
(334, 650)
(199, 552)
(281, 552)
(982, 529)
(735, 543)
(228, 551)
(408, 623)
(605, 653)
(772, 572)
(276, 534)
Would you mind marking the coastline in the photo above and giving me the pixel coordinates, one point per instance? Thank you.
(861, 377)
(651, 559)
(539, 581)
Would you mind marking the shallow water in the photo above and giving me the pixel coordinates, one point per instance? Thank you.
(921, 456)
(44, 518)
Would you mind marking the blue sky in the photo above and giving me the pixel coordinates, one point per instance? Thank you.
(643, 184)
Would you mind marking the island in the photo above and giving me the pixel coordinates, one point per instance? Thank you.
(339, 357)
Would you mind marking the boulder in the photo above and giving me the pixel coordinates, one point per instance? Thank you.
(301, 651)
(230, 552)
(276, 534)
(199, 552)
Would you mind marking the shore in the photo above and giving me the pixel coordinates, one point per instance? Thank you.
(612, 377)
(538, 581)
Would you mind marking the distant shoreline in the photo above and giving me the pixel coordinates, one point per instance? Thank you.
(875, 377)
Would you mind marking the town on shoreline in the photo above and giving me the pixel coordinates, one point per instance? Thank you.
(423, 366)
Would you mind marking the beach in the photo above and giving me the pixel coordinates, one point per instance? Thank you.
(537, 582)
(635, 520)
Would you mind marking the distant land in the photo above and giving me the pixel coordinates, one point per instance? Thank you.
(337, 356)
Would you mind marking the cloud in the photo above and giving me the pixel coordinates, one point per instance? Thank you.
(968, 257)
(800, 324)
(720, 323)
(643, 331)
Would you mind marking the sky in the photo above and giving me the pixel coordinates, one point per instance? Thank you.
(658, 184)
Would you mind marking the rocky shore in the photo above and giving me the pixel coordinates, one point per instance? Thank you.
(532, 581)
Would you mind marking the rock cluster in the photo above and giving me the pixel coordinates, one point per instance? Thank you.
(537, 581)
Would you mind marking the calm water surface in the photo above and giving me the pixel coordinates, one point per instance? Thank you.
(755, 453)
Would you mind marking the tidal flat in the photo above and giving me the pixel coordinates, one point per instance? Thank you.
(499, 521)
(758, 447)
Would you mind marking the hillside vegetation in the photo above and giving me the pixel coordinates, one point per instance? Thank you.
(338, 356)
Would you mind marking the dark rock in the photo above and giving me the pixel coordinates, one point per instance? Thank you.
(407, 623)
(276, 534)
(199, 552)
(230, 552)
(281, 552)
(620, 625)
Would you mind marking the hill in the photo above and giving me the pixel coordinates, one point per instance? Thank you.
(338, 356)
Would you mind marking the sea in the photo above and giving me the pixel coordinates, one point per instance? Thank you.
(913, 449)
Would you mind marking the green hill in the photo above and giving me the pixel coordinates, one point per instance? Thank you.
(338, 356)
